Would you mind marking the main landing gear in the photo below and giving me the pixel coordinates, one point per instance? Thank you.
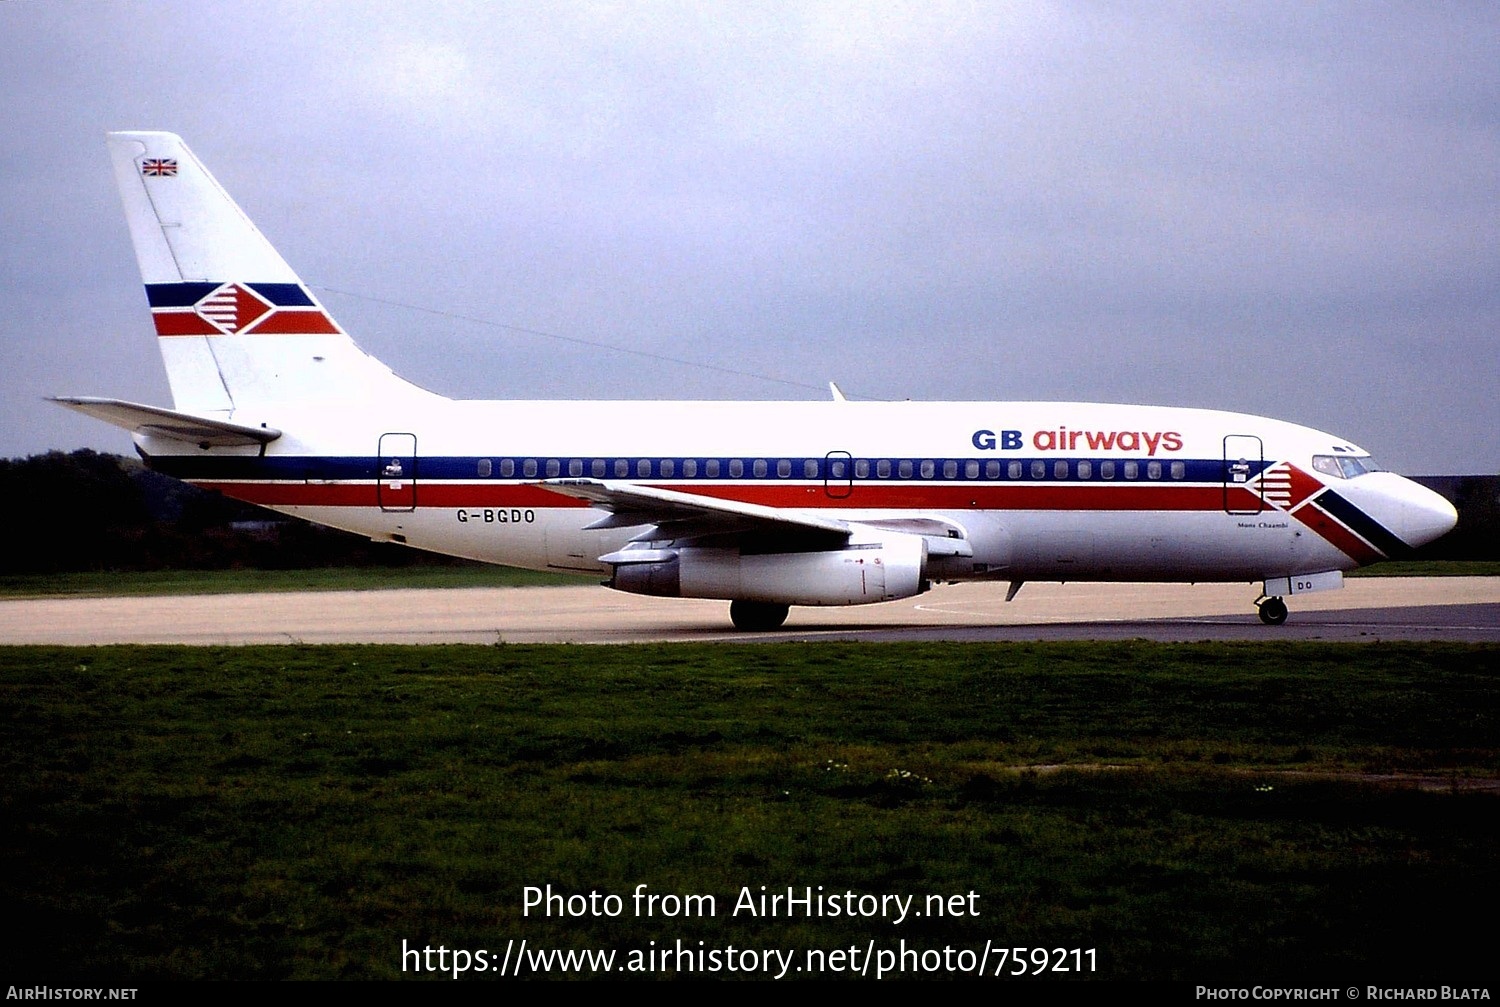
(757, 616)
(1272, 611)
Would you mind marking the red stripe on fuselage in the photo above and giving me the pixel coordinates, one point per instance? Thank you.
(1058, 497)
(1078, 496)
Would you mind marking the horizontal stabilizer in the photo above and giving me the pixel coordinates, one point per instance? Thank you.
(159, 422)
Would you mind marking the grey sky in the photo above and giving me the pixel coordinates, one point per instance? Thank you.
(1291, 210)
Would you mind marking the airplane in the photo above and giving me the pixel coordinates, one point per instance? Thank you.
(763, 504)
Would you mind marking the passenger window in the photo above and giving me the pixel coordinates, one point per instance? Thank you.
(643, 468)
(1179, 470)
(1013, 470)
(1153, 470)
(528, 468)
(736, 467)
(904, 468)
(862, 468)
(689, 467)
(485, 467)
(950, 470)
(783, 468)
(1059, 469)
(928, 468)
(992, 469)
(759, 468)
(1132, 470)
(1106, 470)
(883, 468)
(836, 469)
(596, 468)
(622, 468)
(711, 468)
(507, 467)
(1085, 470)
(1038, 469)
(575, 466)
(668, 467)
(810, 469)
(553, 467)
(971, 470)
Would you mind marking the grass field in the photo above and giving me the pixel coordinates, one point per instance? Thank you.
(1430, 568)
(1209, 813)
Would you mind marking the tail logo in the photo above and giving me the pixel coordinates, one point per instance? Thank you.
(232, 308)
(159, 167)
(228, 309)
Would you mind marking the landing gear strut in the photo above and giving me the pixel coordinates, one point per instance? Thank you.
(1272, 611)
(757, 616)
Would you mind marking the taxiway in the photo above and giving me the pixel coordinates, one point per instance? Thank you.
(1367, 609)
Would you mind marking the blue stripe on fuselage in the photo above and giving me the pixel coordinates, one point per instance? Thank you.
(223, 467)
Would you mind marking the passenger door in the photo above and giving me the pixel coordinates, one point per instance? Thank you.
(1244, 460)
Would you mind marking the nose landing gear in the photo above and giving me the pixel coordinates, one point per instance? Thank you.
(1272, 611)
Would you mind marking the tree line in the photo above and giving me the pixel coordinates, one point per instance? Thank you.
(87, 511)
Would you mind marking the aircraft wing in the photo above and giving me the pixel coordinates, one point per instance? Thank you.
(141, 419)
(674, 514)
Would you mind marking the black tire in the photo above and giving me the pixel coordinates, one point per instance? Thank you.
(1273, 611)
(757, 616)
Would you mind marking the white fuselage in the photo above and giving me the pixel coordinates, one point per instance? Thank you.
(1040, 491)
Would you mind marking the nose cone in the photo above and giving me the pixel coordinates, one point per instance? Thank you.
(1424, 515)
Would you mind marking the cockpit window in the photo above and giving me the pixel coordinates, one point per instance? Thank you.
(1344, 466)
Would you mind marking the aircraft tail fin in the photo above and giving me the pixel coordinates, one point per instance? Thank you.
(236, 327)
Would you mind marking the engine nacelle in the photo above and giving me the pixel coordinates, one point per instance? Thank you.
(860, 573)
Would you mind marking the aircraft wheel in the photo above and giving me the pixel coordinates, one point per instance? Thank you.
(1273, 611)
(757, 616)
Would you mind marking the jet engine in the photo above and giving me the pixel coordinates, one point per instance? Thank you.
(857, 573)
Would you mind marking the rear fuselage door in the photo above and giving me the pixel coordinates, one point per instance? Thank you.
(396, 472)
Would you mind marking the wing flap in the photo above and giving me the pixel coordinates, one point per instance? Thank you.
(944, 538)
(631, 504)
